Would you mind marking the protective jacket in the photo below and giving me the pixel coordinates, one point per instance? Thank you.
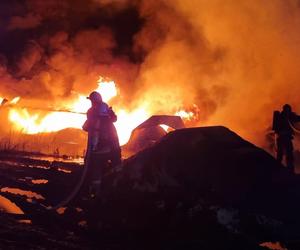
(284, 124)
(100, 127)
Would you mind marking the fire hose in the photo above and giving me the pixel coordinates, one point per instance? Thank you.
(77, 188)
(87, 157)
(293, 127)
(64, 202)
(87, 160)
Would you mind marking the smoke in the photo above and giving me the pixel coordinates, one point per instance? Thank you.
(26, 22)
(55, 49)
(180, 63)
(236, 61)
(51, 51)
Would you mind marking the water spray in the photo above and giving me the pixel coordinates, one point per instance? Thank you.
(8, 104)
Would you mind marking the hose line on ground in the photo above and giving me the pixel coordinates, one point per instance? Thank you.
(79, 184)
(293, 127)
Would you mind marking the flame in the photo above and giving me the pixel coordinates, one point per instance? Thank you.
(81, 105)
(30, 123)
(165, 127)
(12, 102)
(15, 100)
(186, 115)
(33, 123)
(273, 245)
(127, 121)
(107, 89)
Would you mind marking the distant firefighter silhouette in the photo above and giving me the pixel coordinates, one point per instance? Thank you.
(102, 134)
(283, 125)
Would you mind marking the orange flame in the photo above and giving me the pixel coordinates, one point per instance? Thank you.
(32, 123)
(127, 121)
(107, 89)
(15, 100)
(186, 115)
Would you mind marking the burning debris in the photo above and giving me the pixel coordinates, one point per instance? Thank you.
(149, 132)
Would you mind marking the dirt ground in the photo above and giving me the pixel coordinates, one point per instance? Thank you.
(30, 185)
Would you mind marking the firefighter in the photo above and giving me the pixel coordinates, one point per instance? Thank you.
(283, 124)
(102, 134)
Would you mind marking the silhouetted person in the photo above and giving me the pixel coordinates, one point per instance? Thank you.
(283, 126)
(102, 134)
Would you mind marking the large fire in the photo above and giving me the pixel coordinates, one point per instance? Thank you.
(32, 123)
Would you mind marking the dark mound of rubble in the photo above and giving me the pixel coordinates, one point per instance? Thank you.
(200, 188)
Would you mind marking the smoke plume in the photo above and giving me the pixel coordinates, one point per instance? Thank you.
(237, 60)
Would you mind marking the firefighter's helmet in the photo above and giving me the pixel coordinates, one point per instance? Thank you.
(95, 97)
(287, 108)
